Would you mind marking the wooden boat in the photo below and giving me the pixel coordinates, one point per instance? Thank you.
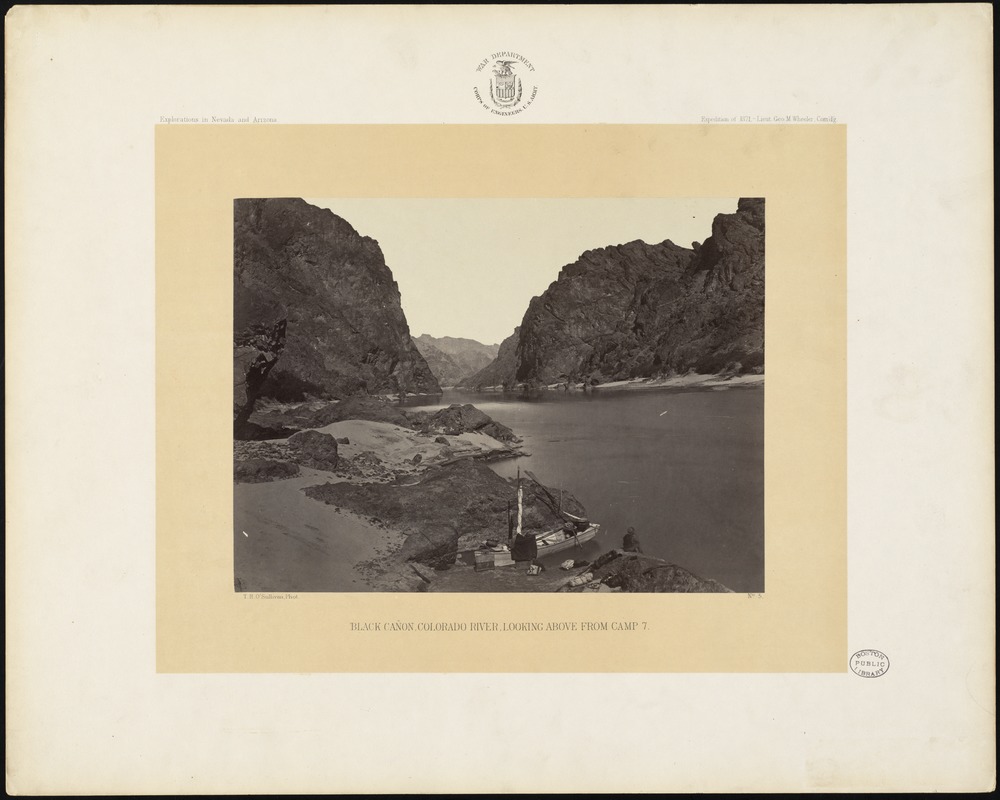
(558, 540)
(550, 542)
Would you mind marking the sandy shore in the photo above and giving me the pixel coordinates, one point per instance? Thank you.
(690, 380)
(284, 541)
(678, 381)
(397, 447)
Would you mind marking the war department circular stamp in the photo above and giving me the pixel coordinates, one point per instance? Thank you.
(505, 83)
(869, 663)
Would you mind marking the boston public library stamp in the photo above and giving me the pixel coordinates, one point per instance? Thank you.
(869, 663)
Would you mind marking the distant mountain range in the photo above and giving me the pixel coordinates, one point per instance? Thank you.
(639, 310)
(452, 359)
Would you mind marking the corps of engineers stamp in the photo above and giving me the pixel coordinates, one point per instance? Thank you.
(869, 663)
(500, 88)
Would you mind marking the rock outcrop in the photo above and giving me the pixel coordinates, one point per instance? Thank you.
(453, 420)
(300, 416)
(502, 371)
(314, 449)
(452, 359)
(262, 470)
(640, 310)
(615, 571)
(717, 324)
(346, 332)
(453, 507)
(634, 572)
(255, 352)
(318, 415)
(458, 419)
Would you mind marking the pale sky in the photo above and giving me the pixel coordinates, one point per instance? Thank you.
(469, 268)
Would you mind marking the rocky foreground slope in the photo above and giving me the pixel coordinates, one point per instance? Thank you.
(639, 310)
(450, 508)
(345, 332)
(419, 475)
(614, 571)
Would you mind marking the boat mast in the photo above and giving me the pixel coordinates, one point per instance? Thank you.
(520, 501)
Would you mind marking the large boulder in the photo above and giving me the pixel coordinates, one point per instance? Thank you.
(314, 449)
(458, 418)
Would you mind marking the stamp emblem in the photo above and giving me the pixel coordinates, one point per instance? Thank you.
(869, 663)
(505, 87)
(506, 83)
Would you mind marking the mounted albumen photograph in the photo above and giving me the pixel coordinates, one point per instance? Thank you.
(498, 395)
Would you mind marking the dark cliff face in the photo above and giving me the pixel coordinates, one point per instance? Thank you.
(594, 318)
(717, 325)
(502, 371)
(255, 352)
(638, 310)
(346, 332)
(453, 359)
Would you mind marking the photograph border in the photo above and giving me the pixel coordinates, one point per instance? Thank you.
(798, 625)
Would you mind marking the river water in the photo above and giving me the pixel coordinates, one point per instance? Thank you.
(684, 467)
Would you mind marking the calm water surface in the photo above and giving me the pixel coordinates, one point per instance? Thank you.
(685, 468)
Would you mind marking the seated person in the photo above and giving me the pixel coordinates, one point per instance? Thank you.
(630, 544)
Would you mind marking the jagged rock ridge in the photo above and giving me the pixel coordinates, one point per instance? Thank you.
(640, 310)
(346, 331)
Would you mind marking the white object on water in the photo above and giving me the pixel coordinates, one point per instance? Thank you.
(664, 412)
(246, 534)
